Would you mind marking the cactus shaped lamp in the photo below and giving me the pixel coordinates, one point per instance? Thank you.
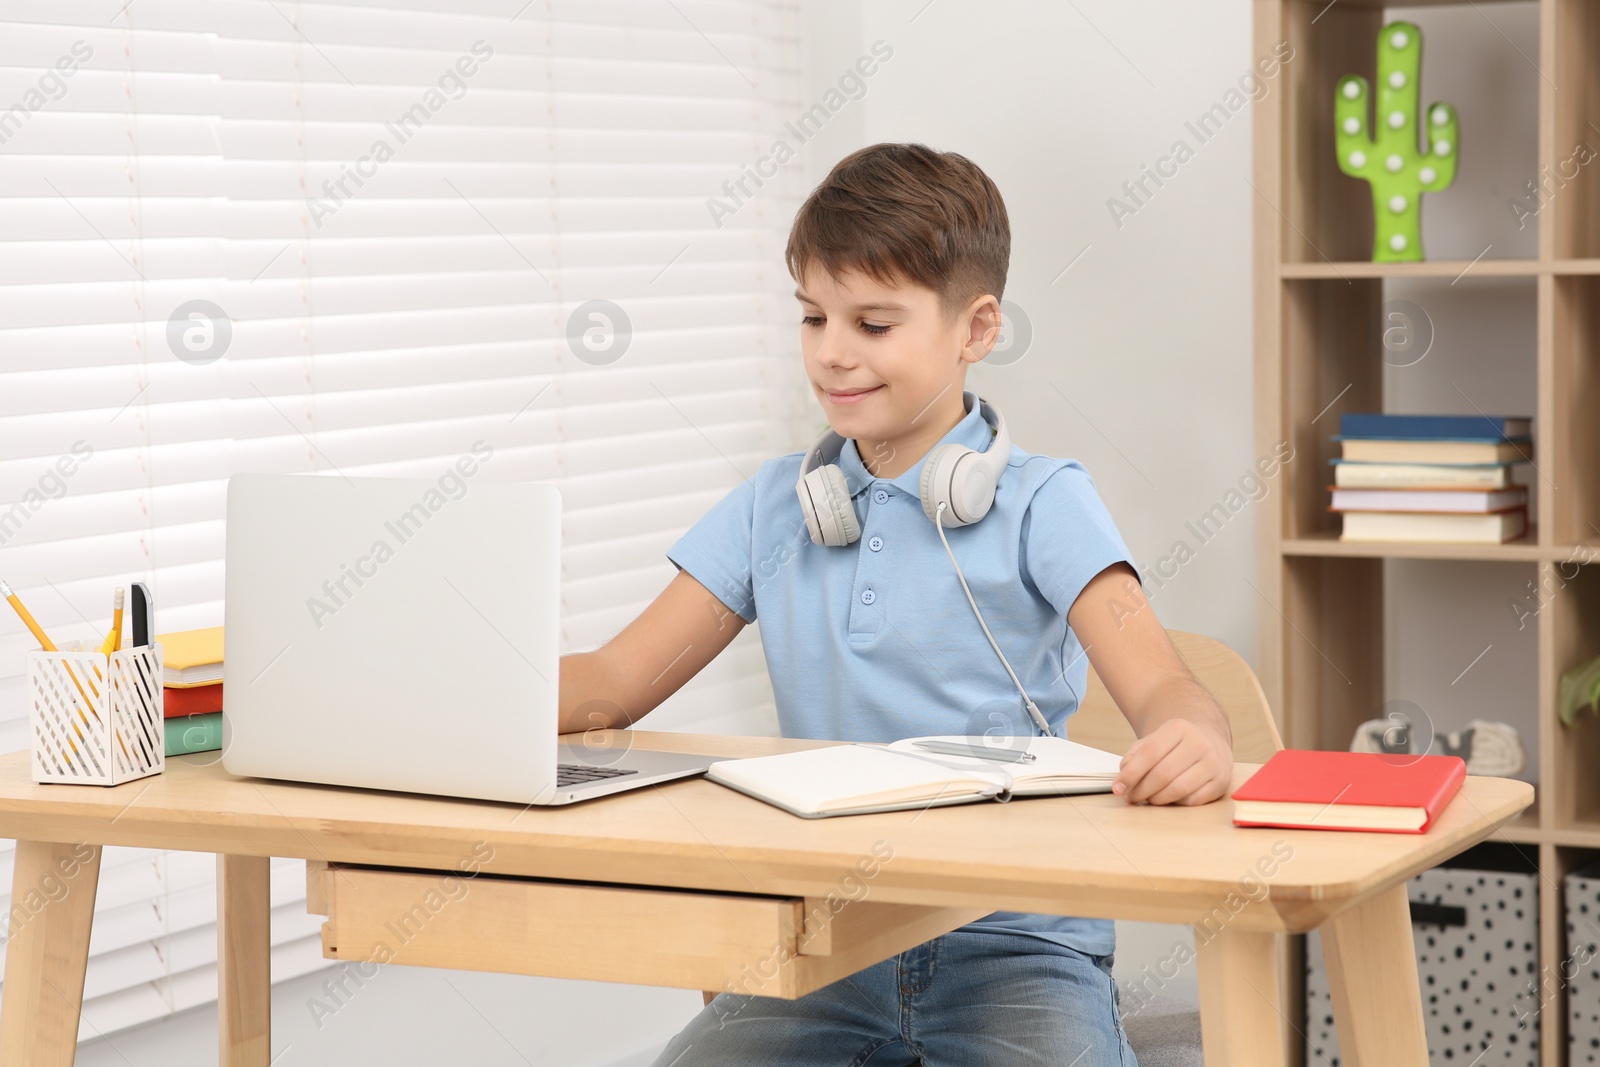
(1401, 151)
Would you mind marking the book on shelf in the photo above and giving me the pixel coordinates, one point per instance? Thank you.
(854, 779)
(1355, 474)
(1429, 499)
(193, 733)
(1383, 424)
(1435, 450)
(191, 700)
(1496, 527)
(191, 657)
(1330, 790)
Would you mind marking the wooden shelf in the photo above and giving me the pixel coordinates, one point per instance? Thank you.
(1327, 543)
(1444, 268)
(1580, 834)
(1524, 829)
(1320, 323)
(1369, 4)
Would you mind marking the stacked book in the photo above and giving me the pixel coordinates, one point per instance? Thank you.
(191, 670)
(1439, 478)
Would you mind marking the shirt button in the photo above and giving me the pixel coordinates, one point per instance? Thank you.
(876, 544)
(868, 596)
(880, 497)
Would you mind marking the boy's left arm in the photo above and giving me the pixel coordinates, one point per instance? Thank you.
(1184, 751)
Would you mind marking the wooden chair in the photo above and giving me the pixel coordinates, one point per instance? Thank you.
(1172, 1039)
(1100, 723)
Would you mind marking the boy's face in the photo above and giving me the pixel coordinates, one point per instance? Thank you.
(858, 334)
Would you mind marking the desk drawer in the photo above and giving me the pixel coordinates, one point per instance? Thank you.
(765, 945)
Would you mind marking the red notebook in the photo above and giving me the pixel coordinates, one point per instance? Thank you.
(1316, 790)
(197, 700)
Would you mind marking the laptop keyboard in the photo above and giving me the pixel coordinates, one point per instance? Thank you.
(580, 774)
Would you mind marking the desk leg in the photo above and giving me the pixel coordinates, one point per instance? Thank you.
(1242, 1018)
(244, 960)
(48, 951)
(1372, 972)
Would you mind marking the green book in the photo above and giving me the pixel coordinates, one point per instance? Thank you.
(194, 733)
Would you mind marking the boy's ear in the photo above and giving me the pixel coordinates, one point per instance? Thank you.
(983, 320)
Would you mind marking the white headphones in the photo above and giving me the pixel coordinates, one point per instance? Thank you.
(956, 483)
(953, 475)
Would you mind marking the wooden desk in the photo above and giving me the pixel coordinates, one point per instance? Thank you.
(691, 884)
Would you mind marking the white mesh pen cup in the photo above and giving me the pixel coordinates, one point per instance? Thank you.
(95, 719)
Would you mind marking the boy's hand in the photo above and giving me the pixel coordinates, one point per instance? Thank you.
(1184, 751)
(1179, 762)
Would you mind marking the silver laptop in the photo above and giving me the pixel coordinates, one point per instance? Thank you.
(396, 633)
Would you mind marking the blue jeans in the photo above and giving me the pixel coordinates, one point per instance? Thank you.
(966, 999)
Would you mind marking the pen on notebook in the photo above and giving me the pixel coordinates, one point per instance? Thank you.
(999, 755)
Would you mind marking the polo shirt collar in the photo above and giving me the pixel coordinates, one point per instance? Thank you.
(973, 431)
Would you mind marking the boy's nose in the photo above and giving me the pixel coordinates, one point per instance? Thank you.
(830, 351)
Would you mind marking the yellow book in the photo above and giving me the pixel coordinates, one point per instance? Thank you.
(191, 657)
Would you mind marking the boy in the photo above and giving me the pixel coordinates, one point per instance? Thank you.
(901, 256)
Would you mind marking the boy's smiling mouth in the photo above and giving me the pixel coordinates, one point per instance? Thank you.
(851, 397)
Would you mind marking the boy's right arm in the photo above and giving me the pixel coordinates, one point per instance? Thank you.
(617, 684)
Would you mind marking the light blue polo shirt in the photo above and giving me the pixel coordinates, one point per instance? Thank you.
(875, 641)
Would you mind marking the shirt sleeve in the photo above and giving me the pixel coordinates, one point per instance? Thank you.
(1068, 537)
(716, 550)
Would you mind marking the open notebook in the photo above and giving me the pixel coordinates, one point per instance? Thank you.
(855, 779)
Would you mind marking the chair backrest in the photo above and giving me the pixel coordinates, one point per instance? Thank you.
(1099, 722)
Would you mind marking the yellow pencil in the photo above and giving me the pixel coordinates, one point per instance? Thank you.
(47, 645)
(27, 618)
(113, 639)
(113, 642)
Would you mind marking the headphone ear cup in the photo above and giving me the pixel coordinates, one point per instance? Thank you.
(935, 481)
(972, 487)
(844, 512)
(825, 502)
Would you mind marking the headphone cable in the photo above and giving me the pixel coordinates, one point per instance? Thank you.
(1033, 709)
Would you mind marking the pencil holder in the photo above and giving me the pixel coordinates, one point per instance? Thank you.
(96, 719)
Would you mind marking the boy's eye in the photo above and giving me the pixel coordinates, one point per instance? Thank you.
(871, 328)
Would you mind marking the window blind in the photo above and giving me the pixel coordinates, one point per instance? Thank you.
(367, 238)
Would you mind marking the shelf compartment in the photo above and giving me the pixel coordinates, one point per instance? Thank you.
(1566, 600)
(1338, 356)
(1572, 201)
(1324, 216)
(1573, 465)
(1333, 648)
(1333, 359)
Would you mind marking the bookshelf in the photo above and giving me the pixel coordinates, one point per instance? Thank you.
(1323, 607)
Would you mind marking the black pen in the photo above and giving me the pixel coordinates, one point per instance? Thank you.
(143, 615)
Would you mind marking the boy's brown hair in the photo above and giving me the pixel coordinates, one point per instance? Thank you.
(903, 212)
